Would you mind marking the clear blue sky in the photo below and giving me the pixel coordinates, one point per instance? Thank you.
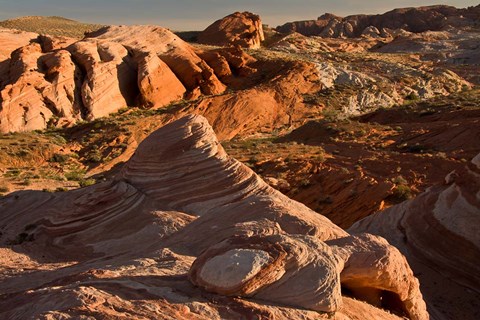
(198, 14)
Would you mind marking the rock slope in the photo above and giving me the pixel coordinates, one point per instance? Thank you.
(437, 231)
(186, 232)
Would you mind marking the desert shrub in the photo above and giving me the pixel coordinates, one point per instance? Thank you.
(320, 158)
(412, 96)
(60, 158)
(253, 159)
(399, 180)
(305, 183)
(75, 175)
(13, 172)
(332, 115)
(87, 182)
(94, 156)
(402, 192)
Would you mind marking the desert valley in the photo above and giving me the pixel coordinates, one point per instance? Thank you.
(321, 169)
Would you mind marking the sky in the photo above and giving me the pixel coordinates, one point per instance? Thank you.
(198, 14)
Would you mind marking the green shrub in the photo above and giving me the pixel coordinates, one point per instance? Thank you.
(412, 96)
(60, 158)
(87, 182)
(75, 175)
(402, 192)
(400, 180)
(94, 156)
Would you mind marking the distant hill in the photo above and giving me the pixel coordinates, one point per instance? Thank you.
(420, 19)
(56, 26)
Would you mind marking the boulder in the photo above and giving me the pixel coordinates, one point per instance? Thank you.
(157, 83)
(298, 271)
(240, 28)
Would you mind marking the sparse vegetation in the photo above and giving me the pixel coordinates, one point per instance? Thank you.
(56, 26)
(402, 191)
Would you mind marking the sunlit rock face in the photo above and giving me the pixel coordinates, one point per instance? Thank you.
(55, 82)
(242, 29)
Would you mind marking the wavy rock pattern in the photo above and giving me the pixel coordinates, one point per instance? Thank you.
(294, 270)
(437, 231)
(182, 205)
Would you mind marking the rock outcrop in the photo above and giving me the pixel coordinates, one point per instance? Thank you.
(56, 82)
(13, 39)
(437, 231)
(421, 19)
(266, 106)
(128, 243)
(242, 29)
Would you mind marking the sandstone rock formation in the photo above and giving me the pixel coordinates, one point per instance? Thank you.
(431, 18)
(437, 231)
(240, 28)
(266, 106)
(54, 82)
(123, 247)
(294, 270)
(13, 39)
(57, 81)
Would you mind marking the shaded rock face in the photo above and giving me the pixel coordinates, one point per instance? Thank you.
(131, 241)
(56, 82)
(421, 19)
(437, 231)
(242, 29)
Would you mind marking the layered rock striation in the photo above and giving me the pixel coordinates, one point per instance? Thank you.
(182, 206)
(437, 232)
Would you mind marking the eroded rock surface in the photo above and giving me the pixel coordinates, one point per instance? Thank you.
(238, 29)
(128, 243)
(58, 81)
(437, 231)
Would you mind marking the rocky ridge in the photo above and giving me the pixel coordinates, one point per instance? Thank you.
(420, 19)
